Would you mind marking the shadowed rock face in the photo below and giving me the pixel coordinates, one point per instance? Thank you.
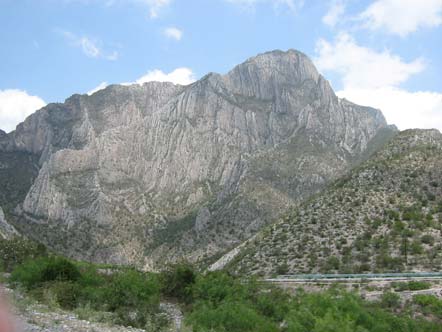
(144, 174)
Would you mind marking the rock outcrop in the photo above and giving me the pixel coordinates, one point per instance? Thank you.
(159, 172)
(6, 230)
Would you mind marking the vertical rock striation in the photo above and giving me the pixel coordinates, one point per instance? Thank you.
(143, 174)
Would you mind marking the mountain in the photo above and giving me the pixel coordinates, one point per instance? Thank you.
(385, 215)
(6, 230)
(146, 174)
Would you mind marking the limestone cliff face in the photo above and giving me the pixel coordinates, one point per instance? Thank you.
(143, 174)
(6, 230)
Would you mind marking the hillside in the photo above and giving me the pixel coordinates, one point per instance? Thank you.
(384, 216)
(157, 172)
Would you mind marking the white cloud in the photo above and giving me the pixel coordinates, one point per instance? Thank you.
(174, 33)
(90, 47)
(291, 4)
(401, 17)
(373, 78)
(362, 67)
(334, 13)
(15, 106)
(405, 109)
(99, 87)
(181, 76)
(155, 6)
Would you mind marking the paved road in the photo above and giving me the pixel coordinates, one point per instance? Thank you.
(330, 278)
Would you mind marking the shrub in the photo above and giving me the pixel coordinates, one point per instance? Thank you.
(33, 273)
(390, 300)
(17, 250)
(216, 287)
(416, 248)
(176, 281)
(66, 294)
(59, 269)
(411, 285)
(429, 303)
(132, 289)
(229, 316)
(427, 239)
(282, 269)
(332, 263)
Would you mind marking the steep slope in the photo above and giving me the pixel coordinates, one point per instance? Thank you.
(384, 216)
(6, 230)
(151, 173)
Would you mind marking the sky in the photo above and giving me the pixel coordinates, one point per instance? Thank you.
(383, 53)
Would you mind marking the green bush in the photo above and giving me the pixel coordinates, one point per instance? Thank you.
(176, 281)
(429, 303)
(66, 294)
(229, 317)
(411, 285)
(390, 300)
(216, 287)
(59, 269)
(427, 239)
(132, 289)
(17, 250)
(33, 273)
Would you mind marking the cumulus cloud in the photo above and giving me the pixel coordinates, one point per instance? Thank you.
(334, 13)
(373, 78)
(291, 4)
(173, 33)
(182, 75)
(99, 87)
(402, 17)
(89, 46)
(362, 67)
(15, 106)
(405, 109)
(155, 6)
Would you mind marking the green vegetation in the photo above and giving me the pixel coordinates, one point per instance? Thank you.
(411, 286)
(131, 296)
(36, 272)
(17, 250)
(383, 216)
(429, 304)
(214, 301)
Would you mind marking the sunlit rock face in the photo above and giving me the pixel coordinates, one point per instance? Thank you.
(151, 173)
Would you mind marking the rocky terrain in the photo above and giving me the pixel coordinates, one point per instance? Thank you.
(385, 215)
(158, 172)
(6, 230)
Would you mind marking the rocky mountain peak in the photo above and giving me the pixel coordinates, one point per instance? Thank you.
(148, 173)
(269, 74)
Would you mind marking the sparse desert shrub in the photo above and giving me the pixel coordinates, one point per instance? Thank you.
(427, 239)
(390, 300)
(411, 285)
(17, 250)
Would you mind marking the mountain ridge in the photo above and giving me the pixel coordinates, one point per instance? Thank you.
(384, 216)
(149, 173)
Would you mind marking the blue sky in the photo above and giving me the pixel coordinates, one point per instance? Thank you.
(383, 53)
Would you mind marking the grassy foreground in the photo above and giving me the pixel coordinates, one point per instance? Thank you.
(211, 302)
